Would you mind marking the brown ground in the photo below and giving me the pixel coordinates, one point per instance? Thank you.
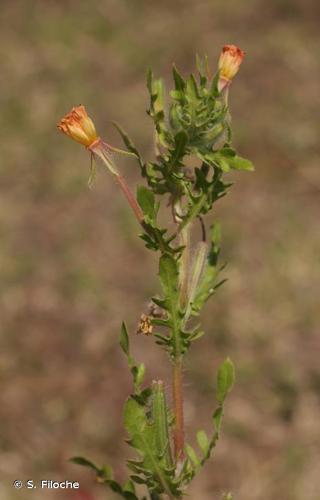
(71, 266)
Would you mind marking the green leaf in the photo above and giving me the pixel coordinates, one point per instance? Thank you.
(177, 94)
(124, 339)
(168, 273)
(138, 479)
(105, 475)
(143, 438)
(192, 455)
(129, 487)
(127, 141)
(135, 420)
(196, 335)
(216, 159)
(225, 380)
(86, 463)
(226, 159)
(203, 441)
(216, 236)
(128, 495)
(239, 163)
(158, 91)
(214, 85)
(143, 396)
(169, 278)
(146, 200)
(180, 142)
(178, 80)
(116, 487)
(192, 89)
(156, 111)
(106, 472)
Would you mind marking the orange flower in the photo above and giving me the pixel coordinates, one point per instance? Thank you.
(79, 126)
(229, 63)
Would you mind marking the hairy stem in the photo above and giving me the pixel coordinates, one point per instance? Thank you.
(131, 199)
(178, 409)
(177, 385)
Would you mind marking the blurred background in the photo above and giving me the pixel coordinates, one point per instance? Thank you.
(72, 267)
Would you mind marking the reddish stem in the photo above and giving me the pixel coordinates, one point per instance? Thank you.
(178, 435)
(131, 199)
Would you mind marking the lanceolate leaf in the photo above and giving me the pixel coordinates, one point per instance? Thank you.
(225, 380)
(146, 200)
(85, 462)
(203, 441)
(127, 141)
(193, 456)
(178, 80)
(124, 339)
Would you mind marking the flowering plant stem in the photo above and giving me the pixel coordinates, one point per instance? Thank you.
(177, 375)
(196, 125)
(177, 382)
(131, 199)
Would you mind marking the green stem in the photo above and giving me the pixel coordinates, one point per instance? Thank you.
(194, 212)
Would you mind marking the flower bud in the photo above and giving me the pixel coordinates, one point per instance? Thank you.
(229, 63)
(79, 126)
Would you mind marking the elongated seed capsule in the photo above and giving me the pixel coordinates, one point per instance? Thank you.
(160, 418)
(196, 273)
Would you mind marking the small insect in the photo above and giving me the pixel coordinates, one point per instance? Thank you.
(145, 326)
